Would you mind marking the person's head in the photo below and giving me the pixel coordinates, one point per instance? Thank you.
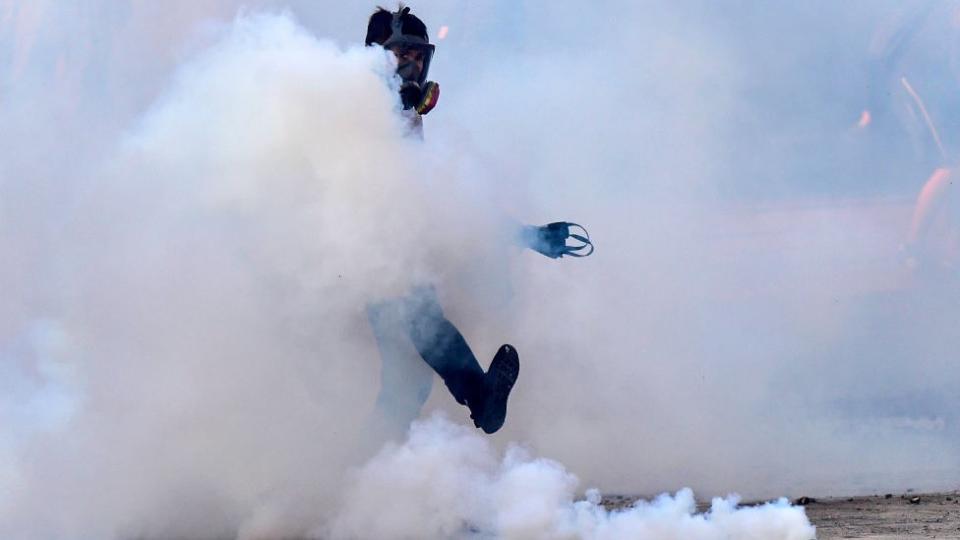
(404, 34)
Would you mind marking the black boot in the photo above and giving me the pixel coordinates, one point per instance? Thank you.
(443, 347)
(490, 411)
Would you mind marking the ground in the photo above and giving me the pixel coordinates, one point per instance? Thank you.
(888, 516)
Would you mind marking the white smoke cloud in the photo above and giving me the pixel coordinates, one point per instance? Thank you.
(448, 482)
(210, 283)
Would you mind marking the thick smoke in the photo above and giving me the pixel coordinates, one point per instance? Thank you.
(208, 284)
(196, 206)
(447, 482)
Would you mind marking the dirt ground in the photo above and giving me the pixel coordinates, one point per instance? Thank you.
(888, 516)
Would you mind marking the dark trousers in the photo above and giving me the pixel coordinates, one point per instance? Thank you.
(415, 340)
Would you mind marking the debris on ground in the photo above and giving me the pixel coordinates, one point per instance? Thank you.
(919, 517)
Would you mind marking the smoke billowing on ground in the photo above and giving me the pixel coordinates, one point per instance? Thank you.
(198, 200)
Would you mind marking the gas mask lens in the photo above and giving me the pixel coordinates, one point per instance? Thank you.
(413, 61)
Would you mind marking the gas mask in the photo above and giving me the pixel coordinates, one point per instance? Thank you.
(551, 240)
(413, 63)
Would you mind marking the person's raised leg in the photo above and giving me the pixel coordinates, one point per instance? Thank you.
(444, 348)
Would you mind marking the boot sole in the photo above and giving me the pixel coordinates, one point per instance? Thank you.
(499, 381)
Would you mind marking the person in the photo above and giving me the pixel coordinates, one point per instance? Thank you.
(405, 35)
(414, 337)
